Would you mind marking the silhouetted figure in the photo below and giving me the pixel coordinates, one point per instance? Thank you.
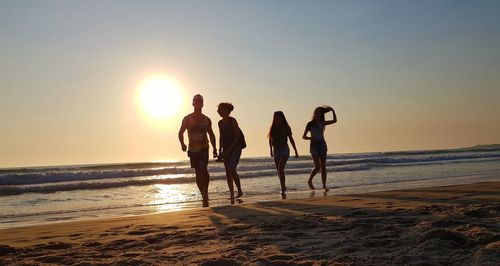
(318, 146)
(231, 144)
(278, 135)
(198, 126)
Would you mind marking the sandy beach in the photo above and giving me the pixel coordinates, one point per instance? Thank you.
(453, 225)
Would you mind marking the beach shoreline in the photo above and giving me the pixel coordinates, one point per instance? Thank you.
(35, 196)
(91, 215)
(436, 225)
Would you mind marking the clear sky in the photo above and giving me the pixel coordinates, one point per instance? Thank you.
(401, 75)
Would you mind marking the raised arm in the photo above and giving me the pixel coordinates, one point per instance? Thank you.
(334, 120)
(211, 135)
(181, 134)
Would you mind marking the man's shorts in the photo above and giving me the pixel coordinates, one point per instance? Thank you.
(199, 158)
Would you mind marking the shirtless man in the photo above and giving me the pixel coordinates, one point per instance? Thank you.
(198, 125)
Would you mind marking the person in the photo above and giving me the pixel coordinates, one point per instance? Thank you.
(279, 133)
(318, 146)
(231, 145)
(198, 125)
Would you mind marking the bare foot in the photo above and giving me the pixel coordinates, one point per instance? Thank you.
(310, 183)
(239, 194)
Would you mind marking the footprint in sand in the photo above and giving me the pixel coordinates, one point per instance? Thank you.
(478, 213)
(55, 245)
(46, 237)
(140, 232)
(92, 244)
(168, 228)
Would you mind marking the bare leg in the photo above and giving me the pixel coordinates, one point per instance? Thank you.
(206, 181)
(323, 171)
(232, 175)
(314, 171)
(199, 181)
(236, 179)
(281, 172)
(278, 169)
(229, 182)
(277, 163)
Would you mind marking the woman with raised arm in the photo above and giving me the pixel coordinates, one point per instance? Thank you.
(318, 146)
(231, 143)
(278, 135)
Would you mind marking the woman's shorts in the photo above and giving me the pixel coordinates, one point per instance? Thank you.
(198, 158)
(231, 160)
(280, 152)
(319, 149)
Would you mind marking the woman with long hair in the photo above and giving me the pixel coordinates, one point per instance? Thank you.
(231, 144)
(279, 133)
(318, 146)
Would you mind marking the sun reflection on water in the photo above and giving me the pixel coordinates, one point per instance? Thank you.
(168, 198)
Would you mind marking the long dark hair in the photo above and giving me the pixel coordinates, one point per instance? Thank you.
(284, 124)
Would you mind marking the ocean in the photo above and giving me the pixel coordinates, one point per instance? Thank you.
(38, 195)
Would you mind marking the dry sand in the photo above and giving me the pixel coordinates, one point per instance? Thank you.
(455, 225)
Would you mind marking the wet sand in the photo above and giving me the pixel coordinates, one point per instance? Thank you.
(453, 225)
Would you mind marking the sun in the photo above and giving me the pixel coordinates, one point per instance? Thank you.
(160, 97)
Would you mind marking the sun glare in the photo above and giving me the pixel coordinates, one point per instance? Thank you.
(160, 97)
